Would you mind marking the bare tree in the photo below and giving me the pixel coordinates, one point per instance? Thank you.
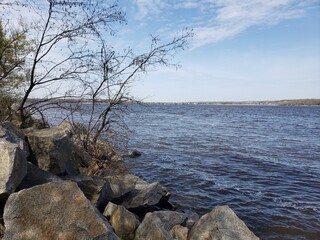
(66, 34)
(73, 60)
(116, 72)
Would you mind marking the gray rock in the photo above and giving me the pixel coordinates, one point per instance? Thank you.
(191, 219)
(110, 208)
(53, 149)
(152, 228)
(56, 210)
(95, 189)
(220, 223)
(124, 223)
(11, 133)
(169, 218)
(13, 162)
(2, 229)
(121, 185)
(179, 233)
(35, 176)
(148, 196)
(156, 225)
(134, 153)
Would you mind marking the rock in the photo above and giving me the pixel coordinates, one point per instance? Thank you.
(2, 229)
(95, 189)
(146, 197)
(53, 149)
(121, 185)
(35, 176)
(152, 228)
(179, 233)
(169, 218)
(13, 162)
(220, 223)
(56, 210)
(11, 133)
(133, 192)
(110, 208)
(124, 223)
(156, 225)
(191, 219)
(134, 154)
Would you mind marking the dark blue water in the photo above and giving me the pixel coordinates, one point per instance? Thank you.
(262, 161)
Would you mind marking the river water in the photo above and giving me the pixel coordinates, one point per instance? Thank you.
(262, 161)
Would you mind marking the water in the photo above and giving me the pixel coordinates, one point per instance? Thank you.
(262, 161)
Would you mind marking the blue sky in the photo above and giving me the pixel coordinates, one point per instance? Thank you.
(242, 51)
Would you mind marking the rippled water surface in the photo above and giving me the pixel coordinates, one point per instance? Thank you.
(262, 161)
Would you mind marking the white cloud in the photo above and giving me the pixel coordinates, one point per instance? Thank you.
(221, 19)
(146, 7)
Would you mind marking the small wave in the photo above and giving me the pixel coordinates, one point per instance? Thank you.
(288, 204)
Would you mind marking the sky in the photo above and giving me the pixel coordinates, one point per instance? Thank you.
(246, 50)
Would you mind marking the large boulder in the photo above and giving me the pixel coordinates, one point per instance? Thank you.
(56, 210)
(11, 133)
(95, 189)
(179, 233)
(157, 225)
(152, 228)
(169, 219)
(110, 208)
(13, 162)
(220, 223)
(122, 185)
(2, 229)
(134, 193)
(191, 218)
(150, 195)
(53, 149)
(35, 176)
(124, 223)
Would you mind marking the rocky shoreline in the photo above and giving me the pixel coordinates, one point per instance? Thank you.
(51, 189)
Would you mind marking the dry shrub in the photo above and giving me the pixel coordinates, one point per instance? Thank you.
(97, 158)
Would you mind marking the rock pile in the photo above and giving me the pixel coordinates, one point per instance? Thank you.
(44, 196)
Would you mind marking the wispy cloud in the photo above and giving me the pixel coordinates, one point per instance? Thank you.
(221, 19)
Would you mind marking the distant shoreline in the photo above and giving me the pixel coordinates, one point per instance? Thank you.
(295, 102)
(292, 102)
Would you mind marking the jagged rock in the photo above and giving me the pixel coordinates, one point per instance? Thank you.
(151, 195)
(169, 218)
(35, 176)
(95, 189)
(191, 219)
(220, 223)
(158, 224)
(133, 192)
(110, 208)
(13, 162)
(2, 229)
(53, 149)
(134, 153)
(124, 223)
(11, 133)
(121, 185)
(179, 233)
(152, 228)
(56, 210)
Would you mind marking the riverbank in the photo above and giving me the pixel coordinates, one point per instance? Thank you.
(292, 102)
(52, 189)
